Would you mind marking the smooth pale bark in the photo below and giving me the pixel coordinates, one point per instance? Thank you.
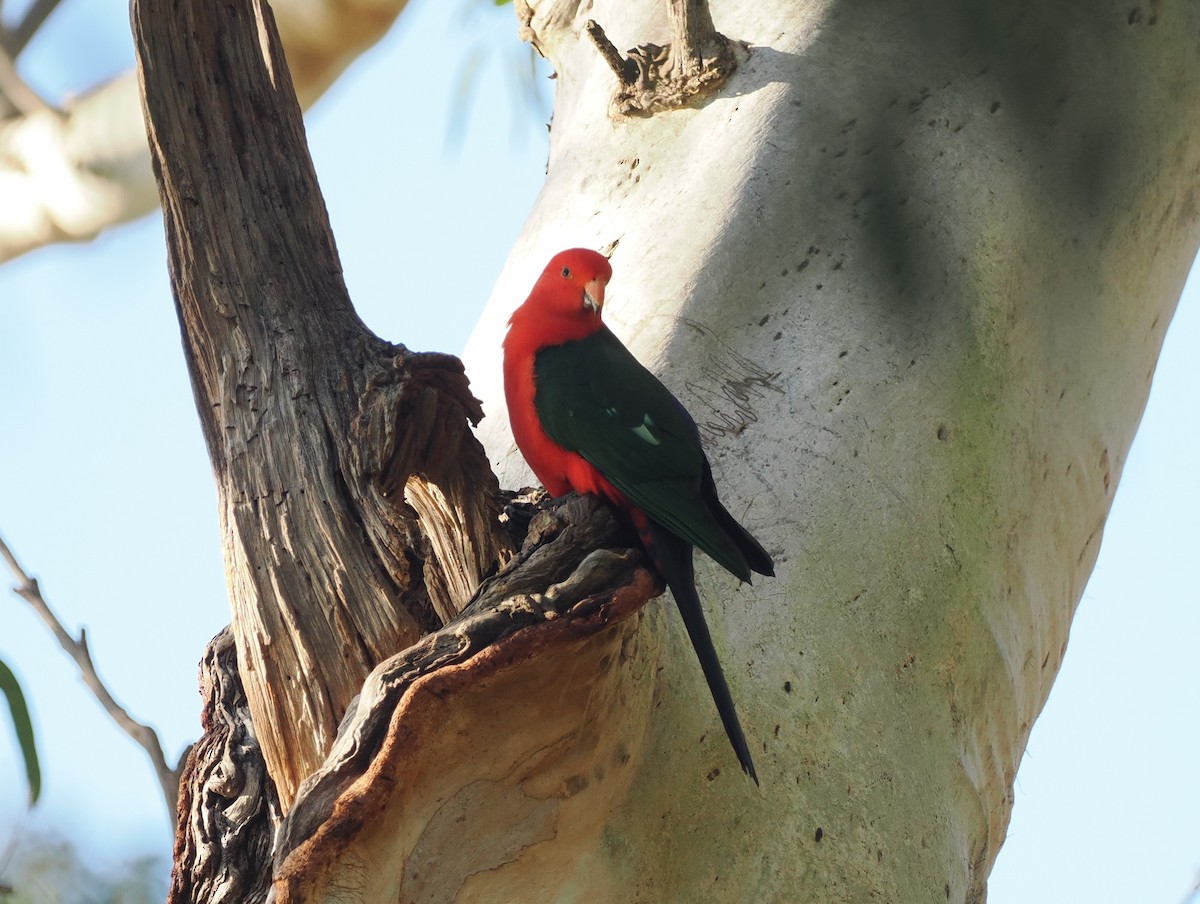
(911, 271)
(66, 175)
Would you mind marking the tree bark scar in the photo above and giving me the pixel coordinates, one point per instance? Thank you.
(728, 394)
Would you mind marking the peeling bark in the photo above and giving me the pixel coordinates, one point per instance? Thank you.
(228, 808)
(548, 643)
(516, 724)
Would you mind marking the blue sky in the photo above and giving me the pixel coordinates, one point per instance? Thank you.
(106, 492)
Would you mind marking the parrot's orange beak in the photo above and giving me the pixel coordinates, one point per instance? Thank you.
(593, 295)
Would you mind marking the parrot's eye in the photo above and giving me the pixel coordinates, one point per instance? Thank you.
(566, 272)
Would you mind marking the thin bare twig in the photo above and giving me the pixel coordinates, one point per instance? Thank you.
(28, 590)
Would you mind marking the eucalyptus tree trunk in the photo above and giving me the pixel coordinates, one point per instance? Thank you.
(908, 263)
(910, 269)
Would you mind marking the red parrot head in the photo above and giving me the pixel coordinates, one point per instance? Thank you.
(570, 290)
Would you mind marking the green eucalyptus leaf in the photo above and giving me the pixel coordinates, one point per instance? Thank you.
(24, 729)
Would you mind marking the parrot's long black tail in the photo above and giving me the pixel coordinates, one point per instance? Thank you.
(672, 557)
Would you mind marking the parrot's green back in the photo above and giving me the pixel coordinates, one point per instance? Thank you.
(593, 397)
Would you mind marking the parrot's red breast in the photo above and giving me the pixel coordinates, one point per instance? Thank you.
(564, 305)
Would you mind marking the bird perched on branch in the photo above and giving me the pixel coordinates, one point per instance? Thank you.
(589, 417)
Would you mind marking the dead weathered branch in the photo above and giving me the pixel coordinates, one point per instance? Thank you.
(77, 648)
(315, 426)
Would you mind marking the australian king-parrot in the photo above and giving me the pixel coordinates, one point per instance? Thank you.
(589, 417)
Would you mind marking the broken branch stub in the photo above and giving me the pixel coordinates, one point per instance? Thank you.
(413, 438)
(684, 73)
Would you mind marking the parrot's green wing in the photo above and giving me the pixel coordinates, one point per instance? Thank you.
(594, 398)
